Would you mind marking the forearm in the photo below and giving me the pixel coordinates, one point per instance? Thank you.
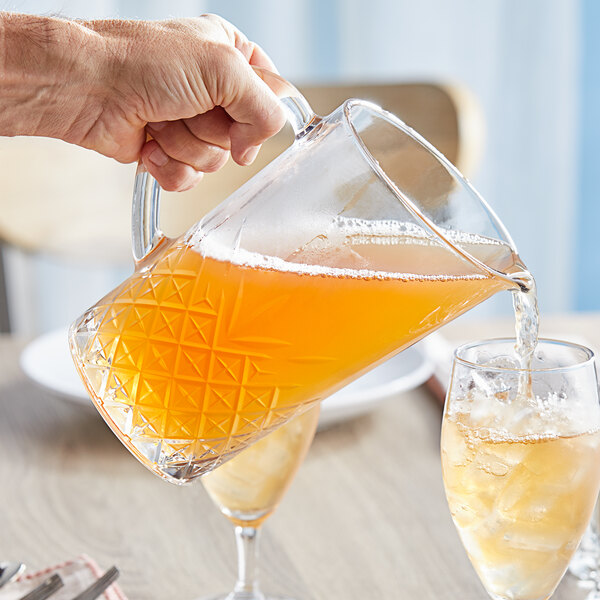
(106, 84)
(50, 71)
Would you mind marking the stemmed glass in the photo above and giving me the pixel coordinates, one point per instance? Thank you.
(248, 488)
(521, 461)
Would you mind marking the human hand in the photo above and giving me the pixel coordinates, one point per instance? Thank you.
(188, 83)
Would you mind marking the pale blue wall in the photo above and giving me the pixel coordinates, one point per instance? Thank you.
(588, 237)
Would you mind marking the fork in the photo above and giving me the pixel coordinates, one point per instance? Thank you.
(54, 583)
(46, 589)
(99, 585)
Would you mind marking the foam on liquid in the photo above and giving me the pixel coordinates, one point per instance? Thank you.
(345, 233)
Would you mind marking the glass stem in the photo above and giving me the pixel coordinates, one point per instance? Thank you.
(246, 587)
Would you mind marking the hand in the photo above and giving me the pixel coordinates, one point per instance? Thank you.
(188, 83)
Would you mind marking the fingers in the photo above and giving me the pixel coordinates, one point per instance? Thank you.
(254, 109)
(245, 111)
(252, 52)
(212, 127)
(171, 174)
(258, 115)
(182, 150)
(180, 144)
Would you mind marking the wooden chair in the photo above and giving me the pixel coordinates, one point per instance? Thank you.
(72, 206)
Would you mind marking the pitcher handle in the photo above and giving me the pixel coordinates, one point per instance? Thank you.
(145, 230)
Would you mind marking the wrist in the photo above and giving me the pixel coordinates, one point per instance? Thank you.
(50, 75)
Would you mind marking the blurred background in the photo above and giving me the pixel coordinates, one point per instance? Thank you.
(532, 67)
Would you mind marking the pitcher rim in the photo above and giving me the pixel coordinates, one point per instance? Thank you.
(347, 107)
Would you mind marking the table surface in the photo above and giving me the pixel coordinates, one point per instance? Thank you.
(366, 517)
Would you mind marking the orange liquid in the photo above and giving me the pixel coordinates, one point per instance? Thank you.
(204, 354)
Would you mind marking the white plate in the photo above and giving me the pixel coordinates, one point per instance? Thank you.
(47, 362)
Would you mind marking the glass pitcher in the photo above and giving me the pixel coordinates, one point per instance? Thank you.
(357, 241)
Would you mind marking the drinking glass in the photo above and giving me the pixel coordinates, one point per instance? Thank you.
(249, 487)
(521, 461)
(585, 564)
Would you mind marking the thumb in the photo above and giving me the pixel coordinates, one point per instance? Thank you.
(256, 112)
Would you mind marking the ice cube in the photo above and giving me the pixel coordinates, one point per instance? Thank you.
(524, 535)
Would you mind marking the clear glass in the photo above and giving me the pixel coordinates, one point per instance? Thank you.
(353, 244)
(248, 488)
(585, 564)
(521, 461)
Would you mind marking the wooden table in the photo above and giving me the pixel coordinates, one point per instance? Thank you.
(365, 519)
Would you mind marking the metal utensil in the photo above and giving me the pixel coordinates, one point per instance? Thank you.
(45, 589)
(9, 571)
(99, 585)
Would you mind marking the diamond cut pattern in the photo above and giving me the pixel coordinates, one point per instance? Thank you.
(199, 329)
(152, 354)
